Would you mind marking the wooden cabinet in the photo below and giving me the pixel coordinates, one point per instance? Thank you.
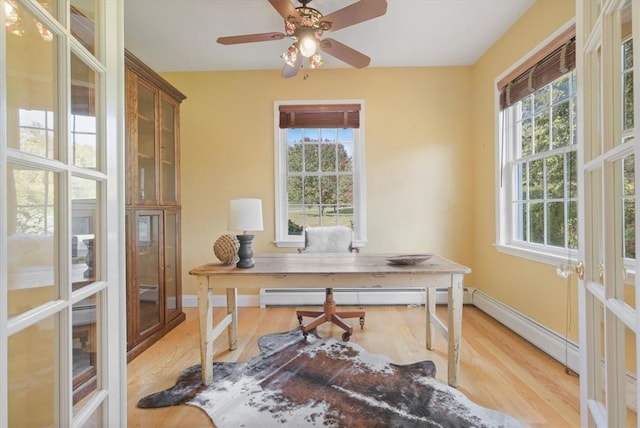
(152, 206)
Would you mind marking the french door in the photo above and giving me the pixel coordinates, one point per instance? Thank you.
(609, 169)
(62, 349)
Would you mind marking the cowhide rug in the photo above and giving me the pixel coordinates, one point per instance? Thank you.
(328, 383)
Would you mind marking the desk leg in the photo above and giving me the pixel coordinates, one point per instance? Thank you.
(430, 306)
(455, 327)
(205, 314)
(232, 308)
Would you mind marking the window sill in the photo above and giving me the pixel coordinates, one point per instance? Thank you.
(536, 255)
(556, 259)
(300, 244)
(289, 244)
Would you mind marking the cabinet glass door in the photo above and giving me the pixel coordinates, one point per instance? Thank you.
(147, 276)
(146, 171)
(168, 151)
(171, 267)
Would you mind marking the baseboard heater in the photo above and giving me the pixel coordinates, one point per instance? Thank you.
(349, 296)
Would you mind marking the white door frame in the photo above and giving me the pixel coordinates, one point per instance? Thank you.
(108, 404)
(608, 321)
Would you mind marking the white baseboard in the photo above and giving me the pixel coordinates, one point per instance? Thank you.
(244, 300)
(350, 296)
(553, 344)
(563, 350)
(313, 297)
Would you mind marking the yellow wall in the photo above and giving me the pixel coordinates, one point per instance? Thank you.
(531, 288)
(417, 129)
(430, 161)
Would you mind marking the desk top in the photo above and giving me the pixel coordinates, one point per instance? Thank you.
(331, 263)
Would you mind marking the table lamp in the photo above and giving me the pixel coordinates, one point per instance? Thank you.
(245, 215)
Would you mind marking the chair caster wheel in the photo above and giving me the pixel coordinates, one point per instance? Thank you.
(346, 336)
(304, 333)
(361, 323)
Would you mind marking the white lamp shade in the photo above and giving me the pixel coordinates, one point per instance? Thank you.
(245, 214)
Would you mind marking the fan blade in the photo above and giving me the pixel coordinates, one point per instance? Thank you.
(345, 53)
(249, 38)
(289, 71)
(361, 11)
(285, 9)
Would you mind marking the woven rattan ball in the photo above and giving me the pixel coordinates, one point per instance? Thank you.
(226, 249)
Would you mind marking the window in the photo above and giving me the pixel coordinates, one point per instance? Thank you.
(538, 166)
(319, 153)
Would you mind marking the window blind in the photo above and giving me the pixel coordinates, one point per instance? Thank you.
(320, 116)
(551, 62)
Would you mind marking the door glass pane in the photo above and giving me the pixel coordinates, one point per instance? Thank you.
(31, 226)
(168, 152)
(622, 215)
(33, 375)
(84, 350)
(629, 380)
(95, 420)
(51, 6)
(83, 19)
(31, 60)
(171, 261)
(594, 227)
(82, 125)
(592, 116)
(147, 276)
(599, 392)
(146, 143)
(629, 226)
(626, 66)
(85, 232)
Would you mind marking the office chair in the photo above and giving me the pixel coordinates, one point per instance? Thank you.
(329, 239)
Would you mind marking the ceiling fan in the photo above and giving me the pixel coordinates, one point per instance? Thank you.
(305, 26)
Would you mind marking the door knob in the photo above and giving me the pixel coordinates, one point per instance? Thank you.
(565, 269)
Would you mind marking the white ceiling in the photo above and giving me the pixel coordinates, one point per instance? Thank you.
(180, 35)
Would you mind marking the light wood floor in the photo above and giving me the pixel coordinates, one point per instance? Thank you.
(498, 369)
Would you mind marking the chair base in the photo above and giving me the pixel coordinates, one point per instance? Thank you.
(330, 314)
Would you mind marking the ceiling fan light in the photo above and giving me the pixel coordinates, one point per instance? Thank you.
(308, 46)
(290, 56)
(316, 61)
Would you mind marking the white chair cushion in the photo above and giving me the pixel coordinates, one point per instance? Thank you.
(328, 239)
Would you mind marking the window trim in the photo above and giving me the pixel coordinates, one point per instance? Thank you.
(503, 186)
(282, 239)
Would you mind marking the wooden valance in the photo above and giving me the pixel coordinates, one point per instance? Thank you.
(550, 63)
(320, 116)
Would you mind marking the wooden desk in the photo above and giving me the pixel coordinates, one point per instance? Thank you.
(329, 270)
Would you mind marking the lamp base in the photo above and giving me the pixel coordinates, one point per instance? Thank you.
(245, 252)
